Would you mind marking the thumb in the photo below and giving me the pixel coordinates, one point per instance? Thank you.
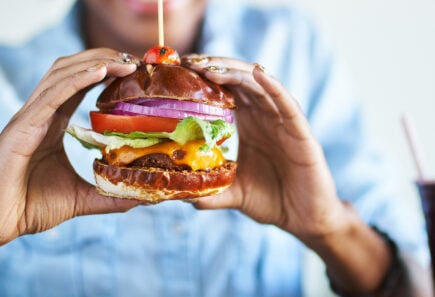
(89, 201)
(226, 199)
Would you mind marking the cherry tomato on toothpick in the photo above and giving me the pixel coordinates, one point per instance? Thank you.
(161, 55)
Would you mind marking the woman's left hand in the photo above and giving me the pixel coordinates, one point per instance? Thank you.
(282, 178)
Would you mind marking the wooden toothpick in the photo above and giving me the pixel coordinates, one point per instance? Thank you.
(161, 28)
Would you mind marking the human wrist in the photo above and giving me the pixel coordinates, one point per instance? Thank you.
(394, 281)
(357, 258)
(343, 223)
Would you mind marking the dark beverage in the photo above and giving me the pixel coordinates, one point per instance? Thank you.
(427, 195)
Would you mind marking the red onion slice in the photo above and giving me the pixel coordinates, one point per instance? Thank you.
(124, 108)
(183, 105)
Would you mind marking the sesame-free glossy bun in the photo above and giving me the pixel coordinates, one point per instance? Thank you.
(165, 81)
(154, 185)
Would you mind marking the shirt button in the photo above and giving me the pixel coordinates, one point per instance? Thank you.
(179, 228)
(53, 234)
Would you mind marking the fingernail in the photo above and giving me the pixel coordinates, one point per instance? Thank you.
(260, 67)
(190, 200)
(198, 60)
(96, 67)
(216, 69)
(128, 59)
(195, 59)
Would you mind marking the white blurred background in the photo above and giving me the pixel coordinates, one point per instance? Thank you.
(388, 46)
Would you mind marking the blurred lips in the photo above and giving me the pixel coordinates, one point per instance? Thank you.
(149, 6)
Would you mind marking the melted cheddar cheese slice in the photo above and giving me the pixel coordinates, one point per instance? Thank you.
(188, 154)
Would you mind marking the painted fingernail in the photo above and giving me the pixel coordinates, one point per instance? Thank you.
(260, 67)
(128, 59)
(199, 60)
(195, 59)
(190, 200)
(216, 69)
(96, 67)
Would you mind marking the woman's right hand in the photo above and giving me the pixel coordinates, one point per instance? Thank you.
(39, 189)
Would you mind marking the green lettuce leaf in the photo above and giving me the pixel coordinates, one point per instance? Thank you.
(91, 139)
(189, 129)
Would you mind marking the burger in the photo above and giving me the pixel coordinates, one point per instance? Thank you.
(160, 131)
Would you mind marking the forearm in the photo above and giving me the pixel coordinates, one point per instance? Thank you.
(361, 262)
(357, 258)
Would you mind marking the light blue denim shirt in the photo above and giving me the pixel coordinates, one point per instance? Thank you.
(171, 249)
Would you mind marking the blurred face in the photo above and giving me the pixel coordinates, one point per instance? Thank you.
(132, 26)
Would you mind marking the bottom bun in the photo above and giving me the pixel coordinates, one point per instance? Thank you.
(155, 185)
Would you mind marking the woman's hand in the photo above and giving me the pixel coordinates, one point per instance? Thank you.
(282, 177)
(39, 188)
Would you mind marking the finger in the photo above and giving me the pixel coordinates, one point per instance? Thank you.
(221, 201)
(90, 202)
(249, 92)
(75, 78)
(40, 110)
(25, 132)
(95, 54)
(229, 198)
(220, 65)
(283, 101)
(115, 67)
(288, 107)
(91, 55)
(199, 62)
(30, 125)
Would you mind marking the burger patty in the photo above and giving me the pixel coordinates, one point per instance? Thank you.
(162, 161)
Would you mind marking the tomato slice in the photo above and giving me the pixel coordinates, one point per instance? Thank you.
(101, 122)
